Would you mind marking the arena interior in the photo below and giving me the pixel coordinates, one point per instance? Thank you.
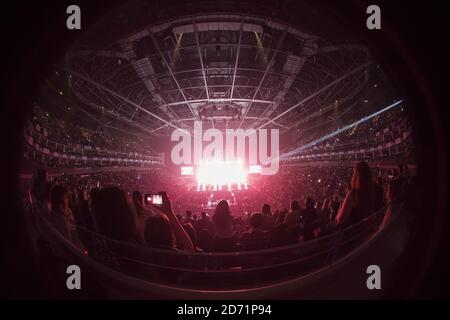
(329, 163)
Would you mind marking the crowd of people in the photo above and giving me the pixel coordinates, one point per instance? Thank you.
(298, 204)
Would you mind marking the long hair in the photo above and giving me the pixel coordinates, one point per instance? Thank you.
(158, 231)
(362, 184)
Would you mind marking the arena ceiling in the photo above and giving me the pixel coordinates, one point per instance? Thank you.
(228, 70)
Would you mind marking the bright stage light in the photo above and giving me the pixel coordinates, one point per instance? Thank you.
(216, 174)
(187, 171)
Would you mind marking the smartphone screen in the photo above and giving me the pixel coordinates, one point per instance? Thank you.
(157, 199)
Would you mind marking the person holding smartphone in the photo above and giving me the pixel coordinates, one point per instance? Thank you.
(164, 230)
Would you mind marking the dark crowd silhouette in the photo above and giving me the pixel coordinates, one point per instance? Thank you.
(297, 205)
